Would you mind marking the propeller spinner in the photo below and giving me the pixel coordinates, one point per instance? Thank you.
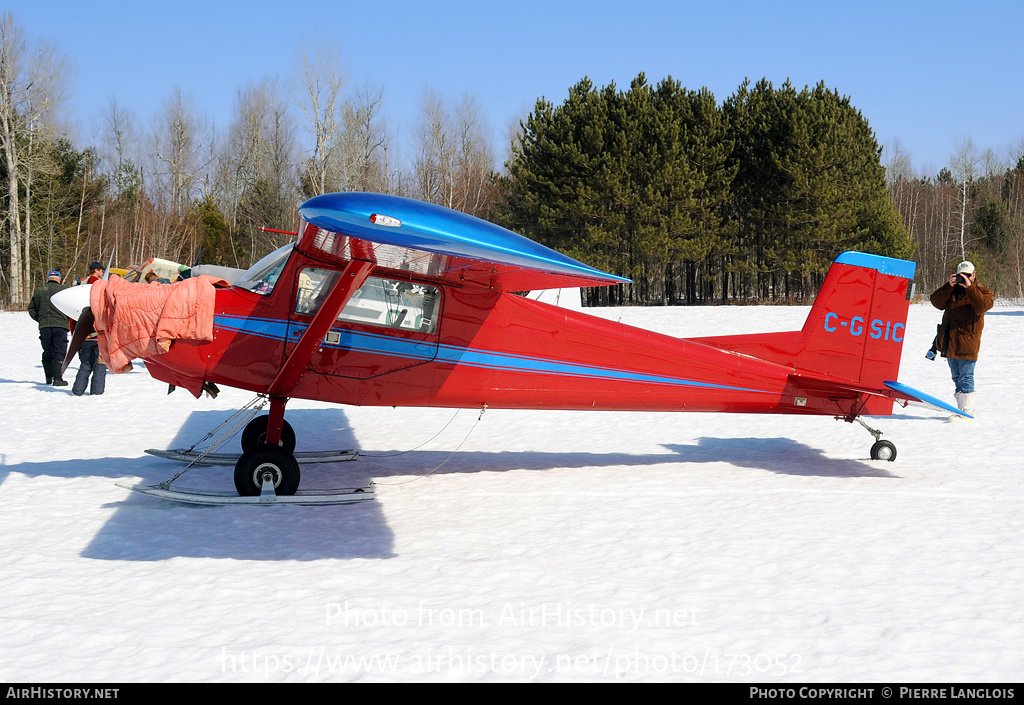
(74, 303)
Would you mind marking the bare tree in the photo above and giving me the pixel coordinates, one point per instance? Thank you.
(992, 166)
(258, 163)
(182, 143)
(319, 86)
(121, 144)
(901, 181)
(454, 162)
(32, 85)
(48, 77)
(364, 145)
(435, 158)
(122, 156)
(281, 145)
(964, 166)
(244, 154)
(474, 174)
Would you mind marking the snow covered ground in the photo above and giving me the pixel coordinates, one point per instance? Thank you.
(554, 546)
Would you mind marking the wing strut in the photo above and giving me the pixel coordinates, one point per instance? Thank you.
(352, 277)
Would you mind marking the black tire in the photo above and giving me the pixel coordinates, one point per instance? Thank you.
(255, 433)
(883, 450)
(275, 460)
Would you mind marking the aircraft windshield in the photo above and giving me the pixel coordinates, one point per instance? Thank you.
(262, 276)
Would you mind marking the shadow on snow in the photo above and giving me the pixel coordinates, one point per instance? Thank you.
(150, 529)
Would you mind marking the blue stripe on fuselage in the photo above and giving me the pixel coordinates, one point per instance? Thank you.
(455, 355)
(262, 327)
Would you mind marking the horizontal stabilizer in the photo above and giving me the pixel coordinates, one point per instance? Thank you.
(836, 390)
(911, 394)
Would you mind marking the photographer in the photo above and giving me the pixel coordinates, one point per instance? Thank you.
(964, 302)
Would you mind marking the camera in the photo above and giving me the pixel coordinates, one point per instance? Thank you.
(961, 279)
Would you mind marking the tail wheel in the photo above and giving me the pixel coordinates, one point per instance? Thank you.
(883, 450)
(255, 433)
(266, 461)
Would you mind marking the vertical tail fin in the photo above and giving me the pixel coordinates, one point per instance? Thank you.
(854, 332)
(856, 326)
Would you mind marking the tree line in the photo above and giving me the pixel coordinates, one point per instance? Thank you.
(182, 191)
(747, 200)
(972, 209)
(701, 202)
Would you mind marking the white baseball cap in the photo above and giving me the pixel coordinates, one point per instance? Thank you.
(965, 268)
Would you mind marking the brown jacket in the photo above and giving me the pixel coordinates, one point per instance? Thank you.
(963, 319)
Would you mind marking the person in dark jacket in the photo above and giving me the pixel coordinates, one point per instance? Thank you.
(53, 328)
(963, 302)
(89, 362)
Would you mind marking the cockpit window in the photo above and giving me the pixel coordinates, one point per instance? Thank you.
(389, 303)
(262, 276)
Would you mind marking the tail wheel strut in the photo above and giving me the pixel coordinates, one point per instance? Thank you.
(880, 450)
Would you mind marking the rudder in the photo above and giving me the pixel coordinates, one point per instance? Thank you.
(858, 321)
(854, 331)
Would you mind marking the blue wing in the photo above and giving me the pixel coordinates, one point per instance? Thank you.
(402, 233)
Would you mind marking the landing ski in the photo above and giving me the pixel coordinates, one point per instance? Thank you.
(304, 458)
(348, 495)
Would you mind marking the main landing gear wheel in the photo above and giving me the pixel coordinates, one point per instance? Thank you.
(255, 433)
(883, 450)
(270, 462)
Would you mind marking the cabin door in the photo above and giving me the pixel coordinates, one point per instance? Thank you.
(388, 325)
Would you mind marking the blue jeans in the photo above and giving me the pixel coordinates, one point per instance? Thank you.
(89, 364)
(963, 374)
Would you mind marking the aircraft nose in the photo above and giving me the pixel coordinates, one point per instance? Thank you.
(73, 300)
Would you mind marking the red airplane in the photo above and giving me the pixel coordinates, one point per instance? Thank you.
(384, 300)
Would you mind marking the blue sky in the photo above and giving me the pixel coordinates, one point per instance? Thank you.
(928, 74)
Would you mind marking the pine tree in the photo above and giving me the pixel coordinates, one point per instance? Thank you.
(692, 200)
(809, 184)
